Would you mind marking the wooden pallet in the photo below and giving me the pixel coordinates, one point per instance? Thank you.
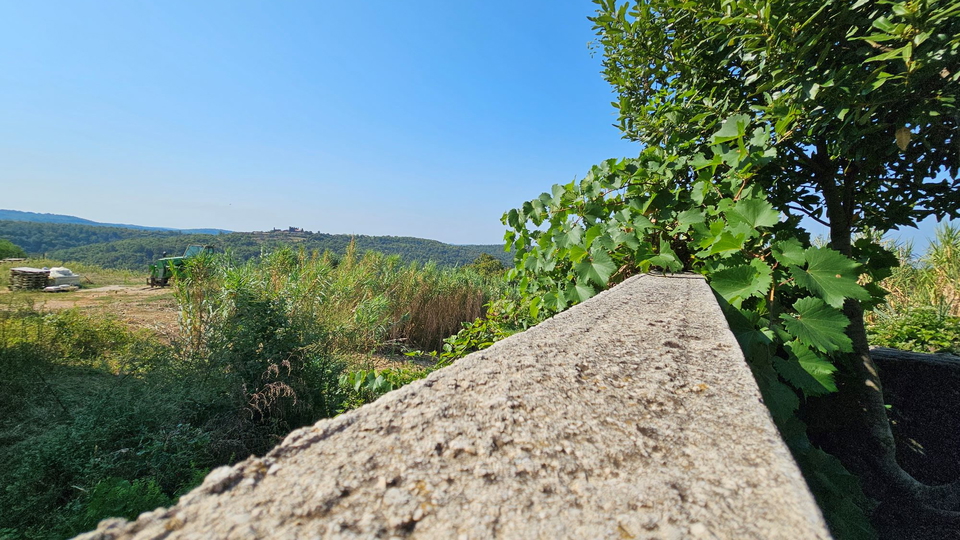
(25, 279)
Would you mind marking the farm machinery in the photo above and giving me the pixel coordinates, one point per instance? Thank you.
(164, 269)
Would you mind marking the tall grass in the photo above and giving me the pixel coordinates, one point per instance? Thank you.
(352, 304)
(922, 310)
(98, 421)
(931, 280)
(277, 329)
(93, 421)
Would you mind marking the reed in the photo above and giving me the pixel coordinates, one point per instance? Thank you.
(931, 280)
(922, 309)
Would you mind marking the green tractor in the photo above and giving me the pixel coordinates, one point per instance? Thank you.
(162, 270)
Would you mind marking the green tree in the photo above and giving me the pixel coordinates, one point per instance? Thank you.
(858, 130)
(9, 249)
(487, 265)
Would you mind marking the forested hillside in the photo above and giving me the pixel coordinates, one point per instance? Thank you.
(133, 249)
(39, 238)
(35, 217)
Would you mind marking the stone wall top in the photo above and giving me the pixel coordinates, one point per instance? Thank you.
(632, 415)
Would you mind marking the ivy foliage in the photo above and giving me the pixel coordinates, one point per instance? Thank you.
(704, 213)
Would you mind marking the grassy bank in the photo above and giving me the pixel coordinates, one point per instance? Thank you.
(98, 420)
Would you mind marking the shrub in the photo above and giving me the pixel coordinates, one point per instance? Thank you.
(919, 329)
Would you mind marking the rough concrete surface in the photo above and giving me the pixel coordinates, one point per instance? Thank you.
(632, 415)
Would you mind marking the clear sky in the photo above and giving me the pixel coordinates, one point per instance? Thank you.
(423, 118)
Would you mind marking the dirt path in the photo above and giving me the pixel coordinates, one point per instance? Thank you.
(139, 306)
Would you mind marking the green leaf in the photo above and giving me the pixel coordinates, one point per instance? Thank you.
(628, 240)
(737, 283)
(641, 223)
(687, 218)
(743, 230)
(756, 344)
(699, 162)
(666, 259)
(806, 370)
(829, 275)
(732, 128)
(699, 191)
(841, 492)
(581, 292)
(818, 325)
(572, 237)
(788, 252)
(592, 234)
(554, 302)
(597, 269)
(756, 213)
(512, 218)
(883, 24)
(724, 244)
(558, 191)
(576, 253)
(779, 398)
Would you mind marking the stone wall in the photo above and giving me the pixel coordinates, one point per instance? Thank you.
(632, 415)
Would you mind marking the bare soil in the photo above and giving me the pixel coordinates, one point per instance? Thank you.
(138, 306)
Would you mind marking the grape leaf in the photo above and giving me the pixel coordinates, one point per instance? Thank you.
(580, 292)
(788, 252)
(554, 301)
(576, 253)
(737, 283)
(592, 234)
(558, 191)
(688, 218)
(597, 268)
(818, 325)
(666, 259)
(755, 343)
(570, 238)
(806, 370)
(626, 239)
(779, 398)
(754, 212)
(829, 275)
(724, 244)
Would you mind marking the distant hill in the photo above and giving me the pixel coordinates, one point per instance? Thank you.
(34, 217)
(114, 247)
(38, 238)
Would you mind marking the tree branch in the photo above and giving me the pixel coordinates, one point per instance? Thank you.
(809, 214)
(803, 157)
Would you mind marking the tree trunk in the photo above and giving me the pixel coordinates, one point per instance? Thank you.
(858, 428)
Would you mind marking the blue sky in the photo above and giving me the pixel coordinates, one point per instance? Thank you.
(422, 118)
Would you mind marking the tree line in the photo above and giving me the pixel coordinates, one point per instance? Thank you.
(132, 249)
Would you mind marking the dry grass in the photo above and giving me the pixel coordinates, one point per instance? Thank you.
(928, 281)
(357, 304)
(91, 276)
